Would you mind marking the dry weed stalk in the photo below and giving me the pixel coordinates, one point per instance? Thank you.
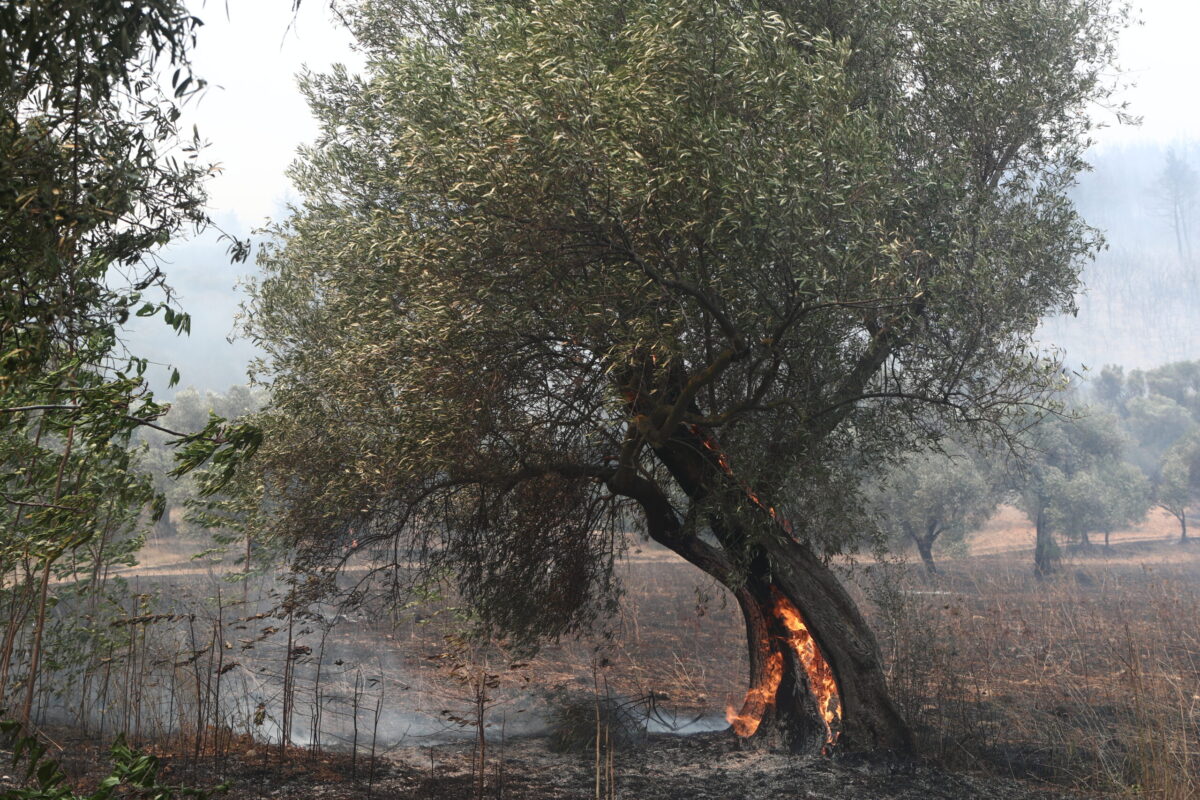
(1091, 680)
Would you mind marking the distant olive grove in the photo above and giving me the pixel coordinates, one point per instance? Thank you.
(1123, 443)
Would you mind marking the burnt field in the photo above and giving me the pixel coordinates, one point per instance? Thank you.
(1088, 683)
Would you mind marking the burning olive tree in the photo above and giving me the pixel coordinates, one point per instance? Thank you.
(561, 265)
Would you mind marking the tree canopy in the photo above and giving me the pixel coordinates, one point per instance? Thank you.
(930, 497)
(1159, 409)
(563, 264)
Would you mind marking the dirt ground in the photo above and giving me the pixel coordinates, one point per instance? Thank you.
(710, 766)
(1084, 686)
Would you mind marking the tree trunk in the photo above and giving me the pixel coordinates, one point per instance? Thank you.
(815, 668)
(925, 548)
(1084, 540)
(1175, 223)
(844, 686)
(1043, 549)
(924, 544)
(1183, 535)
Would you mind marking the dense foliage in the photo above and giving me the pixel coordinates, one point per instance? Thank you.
(538, 241)
(1160, 410)
(94, 178)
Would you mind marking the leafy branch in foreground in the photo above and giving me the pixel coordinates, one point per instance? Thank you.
(96, 176)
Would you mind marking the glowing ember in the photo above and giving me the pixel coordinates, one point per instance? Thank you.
(711, 445)
(758, 699)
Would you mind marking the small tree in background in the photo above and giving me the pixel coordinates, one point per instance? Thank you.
(1175, 490)
(1156, 423)
(1160, 409)
(1179, 380)
(1175, 191)
(190, 410)
(933, 496)
(1106, 495)
(1111, 390)
(1059, 449)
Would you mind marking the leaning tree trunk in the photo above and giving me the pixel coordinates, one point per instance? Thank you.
(816, 672)
(834, 669)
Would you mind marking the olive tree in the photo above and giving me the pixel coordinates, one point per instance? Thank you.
(1105, 496)
(562, 264)
(932, 496)
(1156, 424)
(1073, 480)
(1176, 489)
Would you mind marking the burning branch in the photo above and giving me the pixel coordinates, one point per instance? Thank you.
(758, 699)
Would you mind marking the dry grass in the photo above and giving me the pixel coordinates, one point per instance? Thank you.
(1090, 680)
(678, 636)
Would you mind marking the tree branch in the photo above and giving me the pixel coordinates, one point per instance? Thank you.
(853, 386)
(703, 298)
(72, 408)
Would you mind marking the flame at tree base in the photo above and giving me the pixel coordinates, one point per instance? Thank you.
(820, 676)
(796, 634)
(758, 699)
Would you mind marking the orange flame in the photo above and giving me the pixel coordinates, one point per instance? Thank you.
(820, 675)
(758, 699)
(821, 681)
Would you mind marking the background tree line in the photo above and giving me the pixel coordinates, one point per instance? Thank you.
(1125, 443)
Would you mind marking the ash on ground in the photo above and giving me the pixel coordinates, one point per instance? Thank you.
(707, 766)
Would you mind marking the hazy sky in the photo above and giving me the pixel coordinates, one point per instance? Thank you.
(1162, 58)
(254, 118)
(253, 115)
